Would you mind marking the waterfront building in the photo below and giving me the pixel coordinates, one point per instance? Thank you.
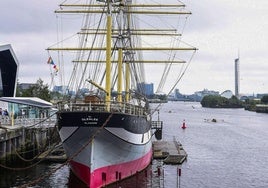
(27, 127)
(23, 109)
(8, 71)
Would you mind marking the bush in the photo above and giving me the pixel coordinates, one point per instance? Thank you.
(264, 99)
(216, 101)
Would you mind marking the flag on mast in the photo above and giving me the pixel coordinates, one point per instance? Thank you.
(51, 62)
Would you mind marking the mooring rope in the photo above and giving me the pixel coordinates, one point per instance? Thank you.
(28, 167)
(26, 160)
(19, 155)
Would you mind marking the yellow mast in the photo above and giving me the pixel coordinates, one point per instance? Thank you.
(122, 32)
(108, 56)
(120, 55)
(127, 81)
(119, 83)
(127, 67)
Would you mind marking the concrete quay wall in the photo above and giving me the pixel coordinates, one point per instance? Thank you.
(25, 141)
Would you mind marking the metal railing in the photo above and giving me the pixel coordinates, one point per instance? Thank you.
(157, 124)
(102, 107)
(27, 122)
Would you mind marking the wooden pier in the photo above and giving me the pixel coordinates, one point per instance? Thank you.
(171, 152)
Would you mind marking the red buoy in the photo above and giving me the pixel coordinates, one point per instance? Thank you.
(183, 125)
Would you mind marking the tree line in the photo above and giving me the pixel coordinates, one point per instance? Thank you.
(39, 89)
(216, 101)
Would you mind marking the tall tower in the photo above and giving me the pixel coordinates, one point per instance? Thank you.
(237, 77)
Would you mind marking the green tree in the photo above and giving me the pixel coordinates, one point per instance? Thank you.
(264, 99)
(39, 89)
(234, 101)
(210, 101)
(216, 101)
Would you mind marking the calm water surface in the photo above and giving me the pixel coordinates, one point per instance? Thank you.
(231, 153)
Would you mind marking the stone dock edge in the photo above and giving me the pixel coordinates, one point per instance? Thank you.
(171, 152)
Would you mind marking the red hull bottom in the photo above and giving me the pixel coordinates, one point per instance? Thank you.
(109, 174)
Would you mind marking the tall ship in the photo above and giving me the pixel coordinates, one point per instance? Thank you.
(104, 119)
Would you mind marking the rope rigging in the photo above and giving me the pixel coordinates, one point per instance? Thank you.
(95, 71)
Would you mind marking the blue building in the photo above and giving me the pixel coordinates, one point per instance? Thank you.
(60, 89)
(146, 89)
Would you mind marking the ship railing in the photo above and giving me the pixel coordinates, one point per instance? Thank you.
(157, 124)
(103, 107)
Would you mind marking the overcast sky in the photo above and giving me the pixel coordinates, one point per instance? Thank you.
(218, 28)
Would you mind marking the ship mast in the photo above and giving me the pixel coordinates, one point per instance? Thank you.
(127, 84)
(120, 54)
(108, 54)
(120, 41)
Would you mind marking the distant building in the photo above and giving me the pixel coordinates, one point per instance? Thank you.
(261, 95)
(24, 86)
(197, 96)
(146, 89)
(60, 89)
(178, 95)
(206, 92)
(8, 71)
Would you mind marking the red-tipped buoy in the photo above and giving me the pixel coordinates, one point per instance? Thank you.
(183, 125)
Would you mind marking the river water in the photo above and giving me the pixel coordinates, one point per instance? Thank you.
(229, 153)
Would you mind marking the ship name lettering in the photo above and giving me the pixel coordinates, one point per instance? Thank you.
(90, 123)
(89, 118)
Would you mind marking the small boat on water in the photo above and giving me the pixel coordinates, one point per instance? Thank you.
(106, 129)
